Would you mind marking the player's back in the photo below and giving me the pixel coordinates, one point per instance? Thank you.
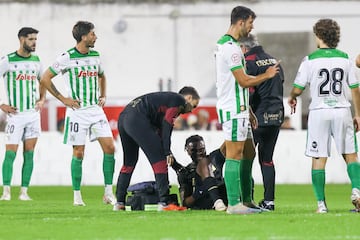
(329, 74)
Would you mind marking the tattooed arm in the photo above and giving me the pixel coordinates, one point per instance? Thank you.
(46, 81)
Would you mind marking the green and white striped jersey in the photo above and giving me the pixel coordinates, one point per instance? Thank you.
(81, 74)
(233, 100)
(330, 74)
(21, 76)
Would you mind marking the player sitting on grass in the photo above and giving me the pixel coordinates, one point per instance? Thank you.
(201, 182)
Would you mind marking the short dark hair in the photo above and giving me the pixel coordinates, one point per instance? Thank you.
(328, 31)
(23, 32)
(189, 91)
(82, 28)
(192, 139)
(241, 13)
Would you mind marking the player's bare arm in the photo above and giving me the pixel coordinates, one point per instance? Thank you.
(102, 84)
(247, 81)
(40, 103)
(355, 93)
(295, 92)
(253, 119)
(8, 109)
(48, 84)
(357, 61)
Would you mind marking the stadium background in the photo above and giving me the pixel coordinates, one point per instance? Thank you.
(163, 45)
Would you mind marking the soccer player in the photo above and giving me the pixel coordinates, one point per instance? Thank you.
(201, 182)
(266, 100)
(21, 71)
(233, 84)
(147, 122)
(86, 84)
(329, 73)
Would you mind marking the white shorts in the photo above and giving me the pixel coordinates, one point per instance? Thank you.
(326, 123)
(90, 121)
(237, 130)
(22, 126)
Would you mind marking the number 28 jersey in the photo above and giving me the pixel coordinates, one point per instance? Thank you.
(81, 73)
(329, 73)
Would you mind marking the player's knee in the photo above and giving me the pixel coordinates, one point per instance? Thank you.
(78, 152)
(110, 149)
(250, 154)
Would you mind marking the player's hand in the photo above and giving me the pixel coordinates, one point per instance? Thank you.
(102, 101)
(292, 103)
(71, 103)
(169, 159)
(356, 121)
(253, 120)
(39, 104)
(273, 70)
(8, 109)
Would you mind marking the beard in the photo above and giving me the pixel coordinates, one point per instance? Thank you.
(28, 48)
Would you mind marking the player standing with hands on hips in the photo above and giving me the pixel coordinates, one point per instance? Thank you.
(234, 112)
(86, 84)
(328, 71)
(21, 71)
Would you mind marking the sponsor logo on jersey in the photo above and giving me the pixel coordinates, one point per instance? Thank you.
(266, 62)
(29, 77)
(314, 147)
(88, 73)
(235, 58)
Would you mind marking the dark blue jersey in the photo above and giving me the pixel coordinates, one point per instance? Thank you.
(266, 99)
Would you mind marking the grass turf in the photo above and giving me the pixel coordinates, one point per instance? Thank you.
(51, 216)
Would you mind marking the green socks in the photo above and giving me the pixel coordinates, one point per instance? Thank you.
(7, 167)
(232, 181)
(318, 183)
(27, 168)
(246, 180)
(353, 170)
(108, 168)
(76, 172)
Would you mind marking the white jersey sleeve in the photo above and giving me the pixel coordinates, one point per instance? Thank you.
(302, 76)
(61, 64)
(4, 65)
(233, 56)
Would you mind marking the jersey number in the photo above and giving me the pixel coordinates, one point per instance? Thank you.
(332, 82)
(74, 127)
(10, 129)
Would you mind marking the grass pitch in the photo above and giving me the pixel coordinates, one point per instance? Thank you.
(51, 216)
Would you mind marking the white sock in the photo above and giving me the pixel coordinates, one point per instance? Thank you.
(23, 190)
(108, 189)
(77, 194)
(6, 189)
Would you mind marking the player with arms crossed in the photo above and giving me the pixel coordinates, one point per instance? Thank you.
(329, 72)
(86, 85)
(232, 84)
(21, 71)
